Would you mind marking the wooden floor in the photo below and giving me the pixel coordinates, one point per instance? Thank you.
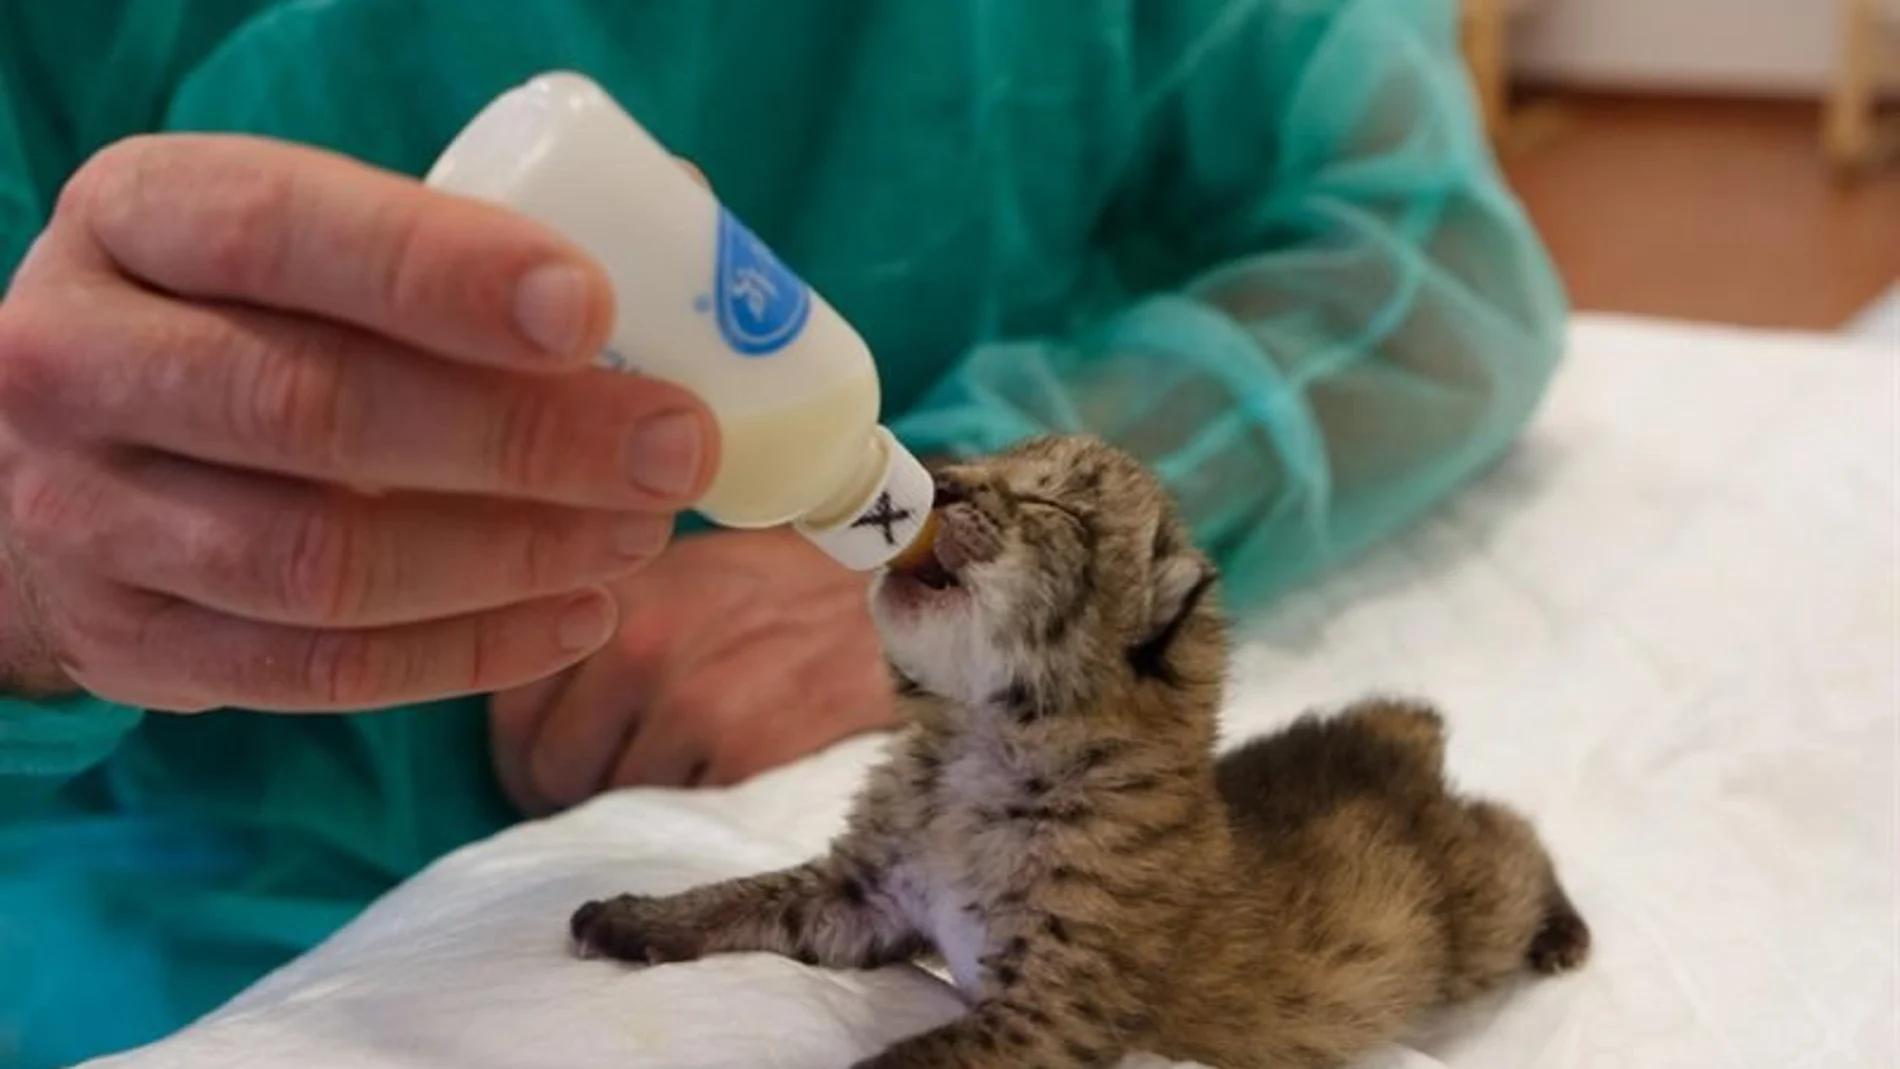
(1703, 209)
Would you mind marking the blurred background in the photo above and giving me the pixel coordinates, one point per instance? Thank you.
(1734, 161)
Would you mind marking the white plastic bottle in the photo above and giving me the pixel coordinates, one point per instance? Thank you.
(703, 304)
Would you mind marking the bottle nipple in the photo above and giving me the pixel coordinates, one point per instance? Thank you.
(922, 549)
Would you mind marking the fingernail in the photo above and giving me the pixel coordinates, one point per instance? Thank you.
(663, 455)
(551, 307)
(641, 536)
(584, 624)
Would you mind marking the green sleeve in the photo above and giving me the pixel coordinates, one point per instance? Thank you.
(76, 75)
(45, 743)
(1333, 312)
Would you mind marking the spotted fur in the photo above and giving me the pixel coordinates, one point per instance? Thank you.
(1054, 826)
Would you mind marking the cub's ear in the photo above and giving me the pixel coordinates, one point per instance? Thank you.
(1179, 581)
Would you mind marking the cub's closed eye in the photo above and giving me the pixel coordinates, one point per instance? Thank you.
(1043, 502)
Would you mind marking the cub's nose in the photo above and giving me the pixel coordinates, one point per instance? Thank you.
(967, 536)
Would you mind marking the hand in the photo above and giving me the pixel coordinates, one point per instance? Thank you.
(282, 431)
(737, 651)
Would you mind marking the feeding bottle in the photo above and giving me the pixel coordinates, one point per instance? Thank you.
(702, 303)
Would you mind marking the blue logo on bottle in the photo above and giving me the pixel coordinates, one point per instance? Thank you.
(761, 306)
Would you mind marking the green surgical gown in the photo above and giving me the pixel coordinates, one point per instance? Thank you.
(1261, 244)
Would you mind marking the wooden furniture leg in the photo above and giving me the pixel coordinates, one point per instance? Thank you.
(1484, 33)
(1850, 108)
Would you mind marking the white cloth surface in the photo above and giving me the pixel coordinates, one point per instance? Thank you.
(1879, 322)
(1668, 627)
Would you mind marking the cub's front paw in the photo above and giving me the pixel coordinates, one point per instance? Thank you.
(633, 928)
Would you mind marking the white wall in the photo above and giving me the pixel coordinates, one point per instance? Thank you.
(1740, 46)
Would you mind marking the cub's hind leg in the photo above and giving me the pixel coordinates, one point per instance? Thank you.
(1506, 910)
(1562, 943)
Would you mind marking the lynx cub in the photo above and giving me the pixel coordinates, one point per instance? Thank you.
(1054, 823)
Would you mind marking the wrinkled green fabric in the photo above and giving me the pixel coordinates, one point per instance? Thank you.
(1259, 243)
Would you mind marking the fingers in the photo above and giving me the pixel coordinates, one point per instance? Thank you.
(665, 753)
(256, 389)
(303, 230)
(159, 653)
(288, 552)
(514, 716)
(584, 729)
(246, 325)
(682, 742)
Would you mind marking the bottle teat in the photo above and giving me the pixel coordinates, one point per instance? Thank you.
(922, 548)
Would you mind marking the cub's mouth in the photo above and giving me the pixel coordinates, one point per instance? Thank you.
(928, 571)
(921, 583)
